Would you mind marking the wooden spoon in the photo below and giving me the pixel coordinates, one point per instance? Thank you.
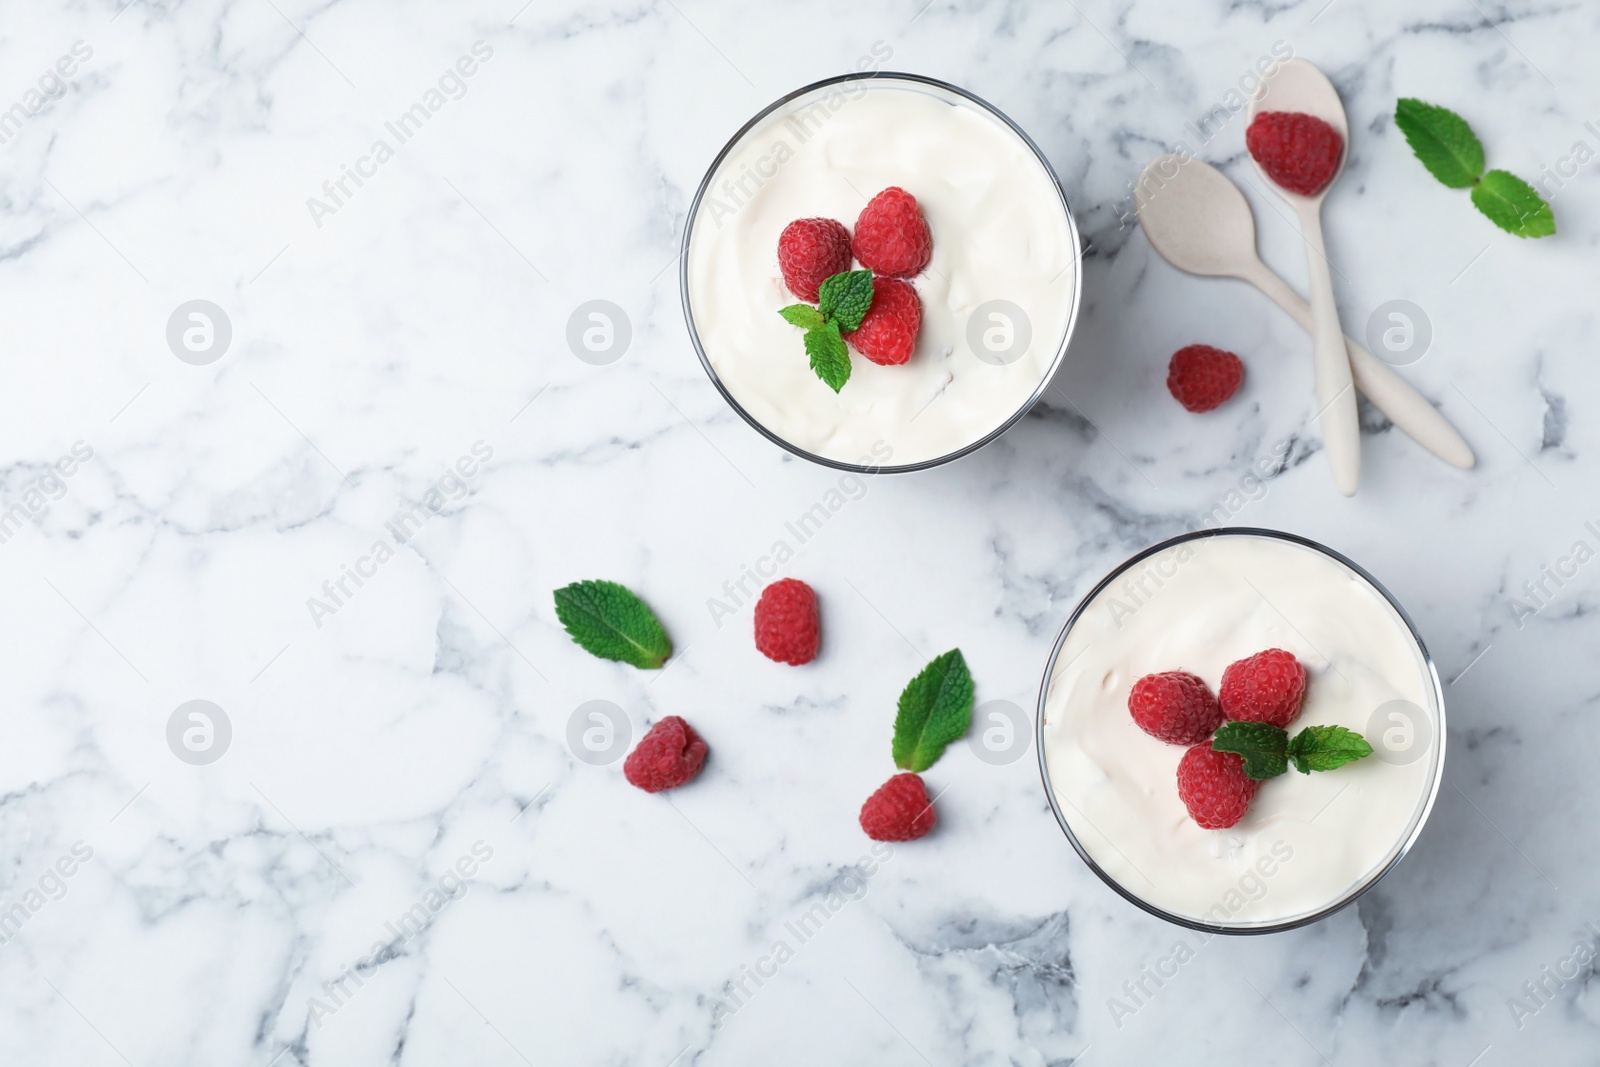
(1201, 223)
(1297, 85)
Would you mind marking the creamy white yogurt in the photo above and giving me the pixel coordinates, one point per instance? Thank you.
(1000, 232)
(1308, 841)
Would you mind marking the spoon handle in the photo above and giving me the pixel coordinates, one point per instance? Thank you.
(1406, 408)
(1336, 391)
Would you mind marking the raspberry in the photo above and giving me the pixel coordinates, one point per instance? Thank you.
(892, 237)
(1299, 152)
(787, 627)
(899, 811)
(888, 333)
(810, 251)
(1175, 707)
(1214, 787)
(1202, 377)
(1266, 687)
(666, 757)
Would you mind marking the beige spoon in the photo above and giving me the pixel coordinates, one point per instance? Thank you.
(1297, 85)
(1200, 222)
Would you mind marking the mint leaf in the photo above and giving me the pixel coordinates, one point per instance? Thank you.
(829, 356)
(846, 297)
(1442, 140)
(842, 302)
(1262, 745)
(1322, 748)
(1513, 205)
(607, 620)
(935, 709)
(802, 315)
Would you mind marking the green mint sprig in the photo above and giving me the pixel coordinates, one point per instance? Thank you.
(1265, 747)
(1325, 748)
(1268, 750)
(1446, 145)
(1513, 205)
(842, 303)
(609, 621)
(935, 709)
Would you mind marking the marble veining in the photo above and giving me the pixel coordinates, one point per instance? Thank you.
(398, 315)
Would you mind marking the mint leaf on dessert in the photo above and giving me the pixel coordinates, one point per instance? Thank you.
(1263, 746)
(829, 356)
(842, 302)
(1442, 140)
(1322, 748)
(846, 297)
(1513, 205)
(609, 621)
(935, 709)
(802, 315)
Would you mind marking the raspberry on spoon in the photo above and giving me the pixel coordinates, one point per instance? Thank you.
(1299, 152)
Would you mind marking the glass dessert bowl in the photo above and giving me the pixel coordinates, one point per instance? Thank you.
(1309, 844)
(999, 296)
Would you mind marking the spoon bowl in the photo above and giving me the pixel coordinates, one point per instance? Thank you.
(1298, 86)
(1196, 218)
(1200, 222)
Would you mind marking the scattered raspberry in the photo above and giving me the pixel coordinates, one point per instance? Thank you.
(892, 237)
(787, 626)
(810, 251)
(666, 757)
(1214, 787)
(1267, 687)
(1299, 152)
(899, 811)
(1175, 707)
(888, 334)
(1202, 377)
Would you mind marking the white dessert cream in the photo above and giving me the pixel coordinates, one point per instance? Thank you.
(1308, 841)
(1000, 233)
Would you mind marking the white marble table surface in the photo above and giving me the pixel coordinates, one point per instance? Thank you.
(214, 913)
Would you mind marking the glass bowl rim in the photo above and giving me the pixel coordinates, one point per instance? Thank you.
(1348, 898)
(1072, 312)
